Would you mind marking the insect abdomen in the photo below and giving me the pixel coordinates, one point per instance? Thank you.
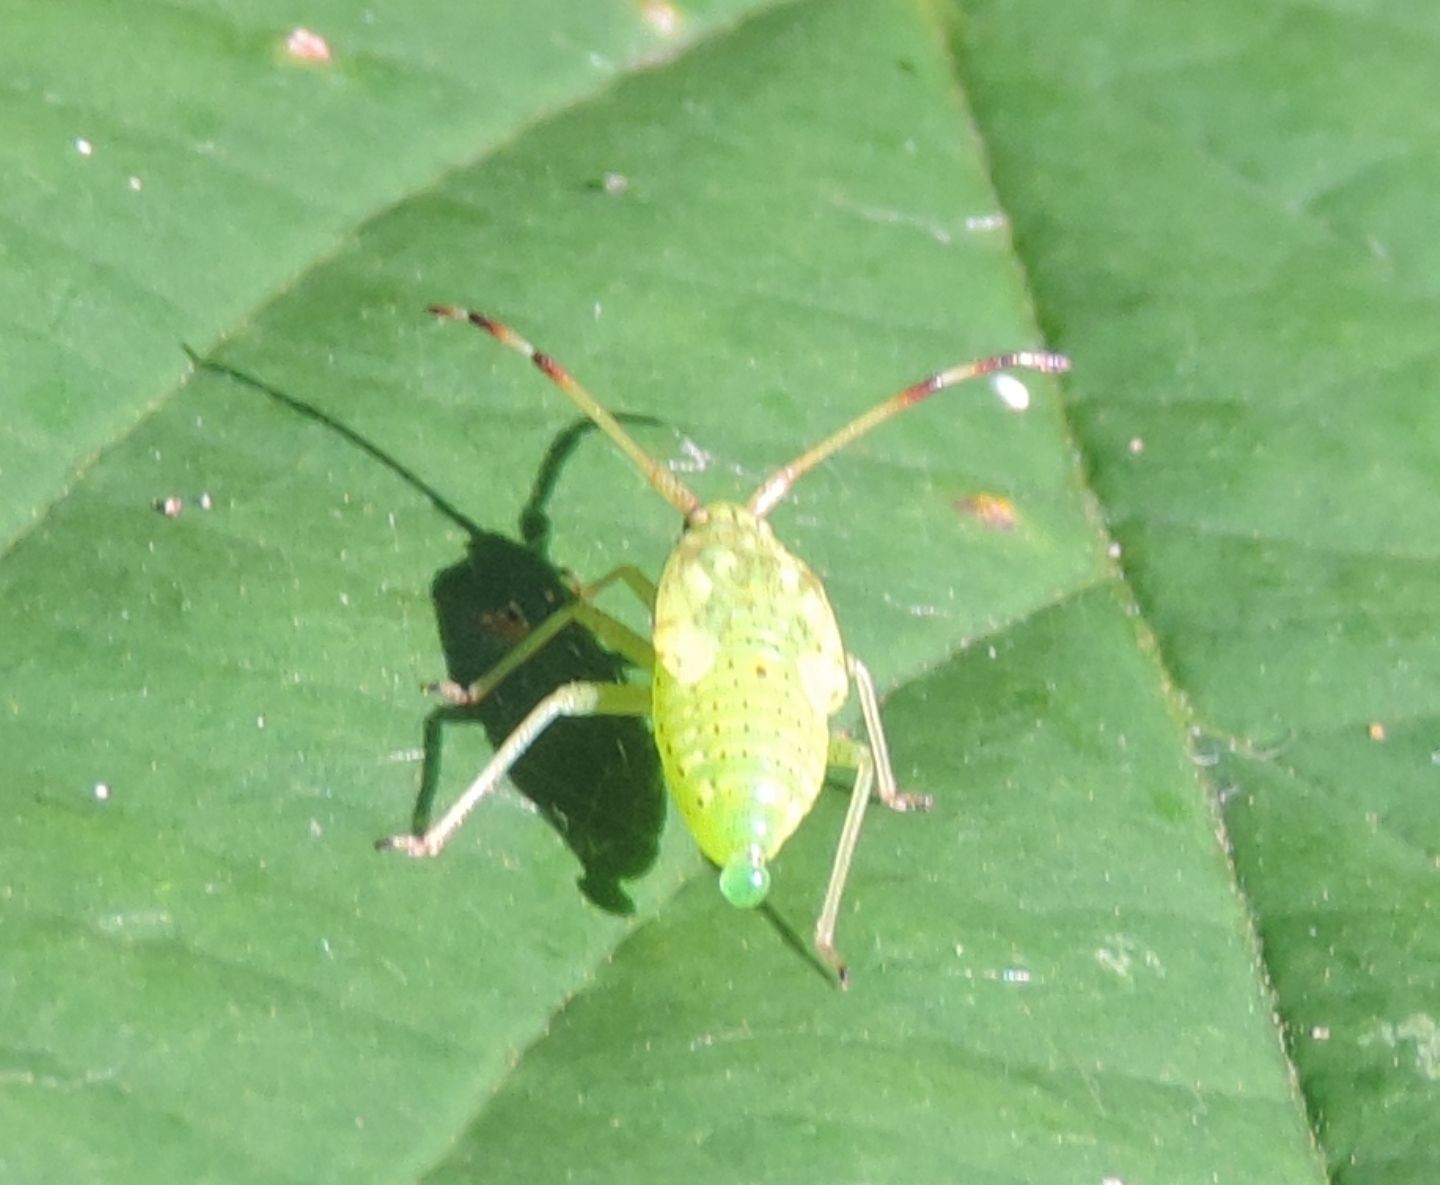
(749, 669)
(743, 750)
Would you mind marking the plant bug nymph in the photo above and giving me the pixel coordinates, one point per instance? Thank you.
(746, 659)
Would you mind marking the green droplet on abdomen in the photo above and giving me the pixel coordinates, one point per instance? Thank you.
(745, 880)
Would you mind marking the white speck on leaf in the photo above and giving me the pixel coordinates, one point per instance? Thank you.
(986, 222)
(306, 46)
(1420, 1028)
(1013, 393)
(662, 16)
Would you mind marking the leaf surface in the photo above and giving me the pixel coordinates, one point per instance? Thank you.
(738, 235)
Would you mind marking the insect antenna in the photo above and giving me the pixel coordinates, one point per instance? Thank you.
(671, 488)
(778, 484)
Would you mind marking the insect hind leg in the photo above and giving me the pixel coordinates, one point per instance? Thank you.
(885, 785)
(873, 774)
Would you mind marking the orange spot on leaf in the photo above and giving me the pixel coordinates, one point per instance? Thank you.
(992, 510)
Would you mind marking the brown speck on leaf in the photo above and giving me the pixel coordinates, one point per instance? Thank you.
(508, 624)
(992, 510)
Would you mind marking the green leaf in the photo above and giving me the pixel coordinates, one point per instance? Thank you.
(738, 235)
(1260, 427)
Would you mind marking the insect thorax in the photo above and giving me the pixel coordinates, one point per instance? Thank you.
(749, 669)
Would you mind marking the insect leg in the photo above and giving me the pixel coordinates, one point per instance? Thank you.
(631, 577)
(872, 772)
(573, 699)
(893, 797)
(614, 633)
(844, 751)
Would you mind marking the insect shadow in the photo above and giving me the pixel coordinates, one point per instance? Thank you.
(596, 780)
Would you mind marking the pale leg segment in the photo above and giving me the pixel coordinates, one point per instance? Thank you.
(573, 699)
(872, 771)
(890, 794)
(631, 577)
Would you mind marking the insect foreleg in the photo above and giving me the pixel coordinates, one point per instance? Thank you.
(871, 764)
(573, 699)
(631, 577)
(612, 632)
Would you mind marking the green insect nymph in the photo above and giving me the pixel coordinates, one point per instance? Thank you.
(749, 669)
(747, 664)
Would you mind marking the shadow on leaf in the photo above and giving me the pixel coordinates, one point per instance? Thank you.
(597, 780)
